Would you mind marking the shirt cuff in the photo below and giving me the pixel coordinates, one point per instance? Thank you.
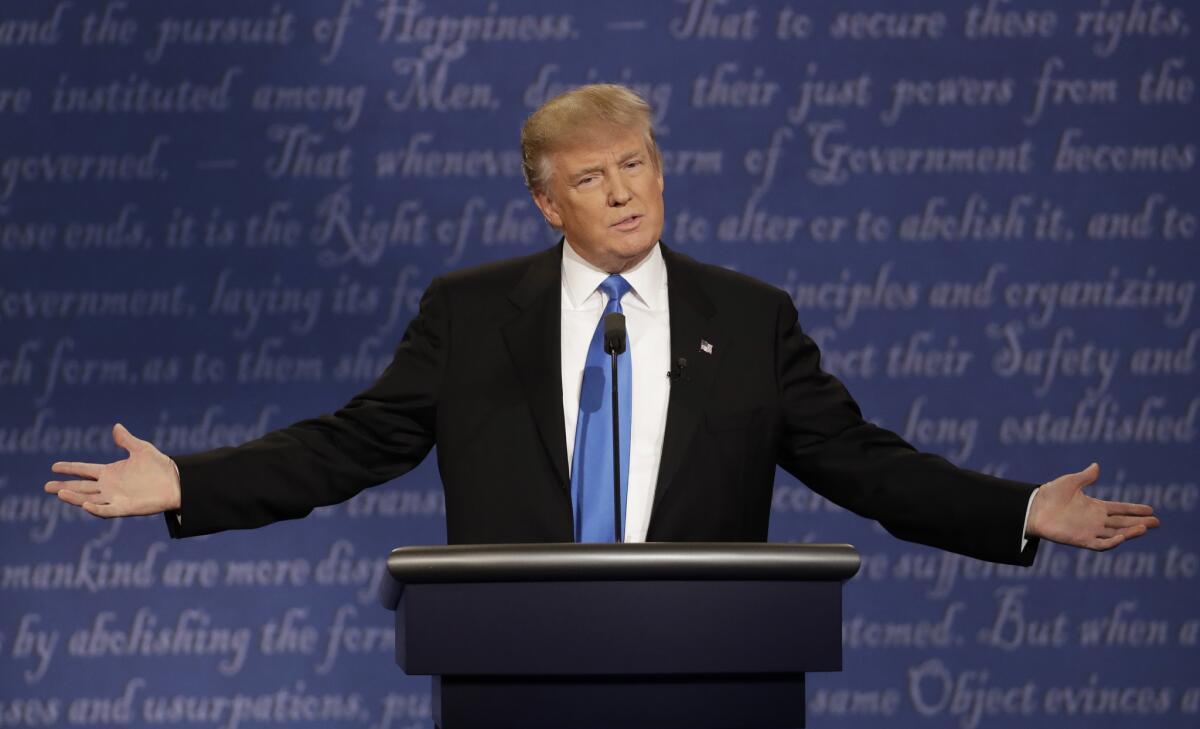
(179, 511)
(1025, 526)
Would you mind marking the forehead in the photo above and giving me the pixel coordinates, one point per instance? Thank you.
(597, 146)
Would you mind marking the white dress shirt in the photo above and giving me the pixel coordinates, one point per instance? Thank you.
(648, 322)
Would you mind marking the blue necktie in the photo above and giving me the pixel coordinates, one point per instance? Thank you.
(592, 461)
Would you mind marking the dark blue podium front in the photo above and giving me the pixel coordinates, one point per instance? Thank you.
(607, 636)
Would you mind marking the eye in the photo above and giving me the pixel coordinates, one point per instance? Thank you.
(586, 180)
(633, 163)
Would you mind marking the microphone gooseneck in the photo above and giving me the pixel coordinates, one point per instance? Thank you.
(614, 345)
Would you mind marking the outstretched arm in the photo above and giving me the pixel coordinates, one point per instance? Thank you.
(1063, 513)
(144, 483)
(381, 433)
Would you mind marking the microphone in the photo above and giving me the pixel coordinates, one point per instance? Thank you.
(677, 371)
(614, 344)
(614, 334)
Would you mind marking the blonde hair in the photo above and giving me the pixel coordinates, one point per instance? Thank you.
(576, 115)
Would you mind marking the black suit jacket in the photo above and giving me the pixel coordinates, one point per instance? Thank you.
(478, 373)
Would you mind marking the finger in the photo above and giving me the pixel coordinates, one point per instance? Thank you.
(1076, 481)
(125, 439)
(77, 499)
(1088, 476)
(1119, 522)
(106, 511)
(1132, 532)
(1103, 544)
(83, 487)
(72, 468)
(1107, 540)
(1121, 507)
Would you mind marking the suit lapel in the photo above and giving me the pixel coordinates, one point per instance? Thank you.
(693, 323)
(533, 338)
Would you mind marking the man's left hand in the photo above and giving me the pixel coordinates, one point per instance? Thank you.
(1063, 513)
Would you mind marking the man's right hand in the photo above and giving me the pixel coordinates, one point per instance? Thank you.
(146, 482)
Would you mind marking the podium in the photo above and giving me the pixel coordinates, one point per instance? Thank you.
(618, 636)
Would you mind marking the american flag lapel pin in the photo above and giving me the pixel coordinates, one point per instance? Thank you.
(706, 346)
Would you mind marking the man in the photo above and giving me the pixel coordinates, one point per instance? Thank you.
(499, 369)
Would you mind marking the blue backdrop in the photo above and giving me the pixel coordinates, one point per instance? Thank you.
(218, 217)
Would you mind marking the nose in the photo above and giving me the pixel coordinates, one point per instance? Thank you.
(618, 192)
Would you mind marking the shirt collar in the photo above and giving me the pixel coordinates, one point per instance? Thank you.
(647, 280)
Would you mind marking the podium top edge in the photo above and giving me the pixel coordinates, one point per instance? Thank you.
(641, 561)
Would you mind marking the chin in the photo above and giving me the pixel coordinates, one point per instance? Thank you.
(634, 248)
(629, 253)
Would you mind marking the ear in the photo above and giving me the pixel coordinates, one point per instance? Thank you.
(548, 208)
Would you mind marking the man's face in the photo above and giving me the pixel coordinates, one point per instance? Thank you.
(606, 196)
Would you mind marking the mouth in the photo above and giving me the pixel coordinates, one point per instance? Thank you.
(627, 223)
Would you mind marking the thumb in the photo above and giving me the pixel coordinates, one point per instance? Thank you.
(1087, 476)
(125, 439)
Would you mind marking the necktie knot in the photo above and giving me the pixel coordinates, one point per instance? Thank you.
(614, 287)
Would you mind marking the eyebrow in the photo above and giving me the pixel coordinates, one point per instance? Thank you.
(600, 168)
